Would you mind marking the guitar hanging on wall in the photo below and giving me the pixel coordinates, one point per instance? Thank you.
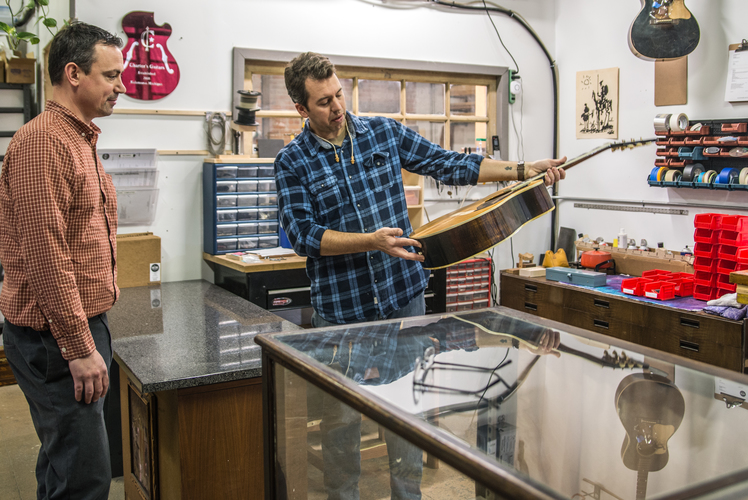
(664, 29)
(151, 72)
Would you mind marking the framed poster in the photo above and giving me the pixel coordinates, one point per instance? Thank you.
(597, 104)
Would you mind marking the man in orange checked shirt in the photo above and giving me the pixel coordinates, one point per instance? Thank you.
(58, 226)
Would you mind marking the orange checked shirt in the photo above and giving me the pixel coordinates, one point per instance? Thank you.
(58, 227)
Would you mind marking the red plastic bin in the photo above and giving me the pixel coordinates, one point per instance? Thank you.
(701, 235)
(734, 238)
(702, 292)
(707, 250)
(737, 223)
(742, 255)
(634, 286)
(707, 221)
(705, 264)
(657, 274)
(660, 290)
(728, 252)
(705, 278)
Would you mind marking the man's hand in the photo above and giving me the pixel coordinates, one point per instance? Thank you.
(552, 173)
(388, 241)
(90, 377)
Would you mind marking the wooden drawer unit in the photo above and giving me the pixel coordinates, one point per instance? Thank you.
(709, 339)
(531, 295)
(599, 323)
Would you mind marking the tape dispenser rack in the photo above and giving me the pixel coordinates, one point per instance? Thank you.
(700, 154)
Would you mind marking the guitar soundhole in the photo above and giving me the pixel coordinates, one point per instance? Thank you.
(493, 200)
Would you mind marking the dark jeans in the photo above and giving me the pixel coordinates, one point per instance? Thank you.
(341, 439)
(73, 460)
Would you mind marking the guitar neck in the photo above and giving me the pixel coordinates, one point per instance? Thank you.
(589, 154)
(642, 474)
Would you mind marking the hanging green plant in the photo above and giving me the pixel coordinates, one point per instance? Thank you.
(38, 7)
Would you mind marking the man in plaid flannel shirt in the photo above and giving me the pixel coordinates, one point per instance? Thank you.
(342, 204)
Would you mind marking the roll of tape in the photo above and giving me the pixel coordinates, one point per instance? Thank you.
(743, 179)
(700, 177)
(661, 173)
(690, 172)
(653, 174)
(728, 176)
(710, 176)
(672, 176)
(662, 122)
(678, 123)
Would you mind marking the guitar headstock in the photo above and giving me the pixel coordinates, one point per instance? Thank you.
(631, 144)
(622, 361)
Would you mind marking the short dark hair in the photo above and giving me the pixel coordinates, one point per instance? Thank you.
(76, 43)
(306, 65)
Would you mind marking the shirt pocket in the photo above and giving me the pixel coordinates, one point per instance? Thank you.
(379, 171)
(326, 195)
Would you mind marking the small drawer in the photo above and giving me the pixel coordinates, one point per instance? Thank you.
(228, 200)
(226, 215)
(267, 199)
(246, 186)
(266, 171)
(243, 229)
(226, 187)
(248, 243)
(268, 241)
(247, 214)
(267, 227)
(226, 172)
(246, 200)
(266, 186)
(246, 172)
(226, 245)
(226, 230)
(267, 214)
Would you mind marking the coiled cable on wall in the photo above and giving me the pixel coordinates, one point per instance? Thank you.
(216, 145)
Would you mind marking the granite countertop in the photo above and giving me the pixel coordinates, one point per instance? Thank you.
(189, 333)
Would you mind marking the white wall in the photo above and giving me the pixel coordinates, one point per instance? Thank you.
(204, 34)
(587, 40)
(578, 36)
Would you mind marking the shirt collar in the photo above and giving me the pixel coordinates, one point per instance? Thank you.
(85, 129)
(314, 142)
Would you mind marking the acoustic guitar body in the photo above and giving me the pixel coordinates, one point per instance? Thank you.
(669, 32)
(651, 409)
(476, 228)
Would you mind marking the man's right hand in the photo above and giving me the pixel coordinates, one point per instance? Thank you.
(90, 377)
(388, 240)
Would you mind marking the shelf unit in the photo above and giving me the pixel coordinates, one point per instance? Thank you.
(682, 150)
(416, 212)
(26, 107)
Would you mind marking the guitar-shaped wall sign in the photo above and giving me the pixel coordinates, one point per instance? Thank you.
(150, 69)
(664, 29)
(476, 228)
(651, 409)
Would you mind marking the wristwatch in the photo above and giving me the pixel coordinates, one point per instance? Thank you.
(521, 170)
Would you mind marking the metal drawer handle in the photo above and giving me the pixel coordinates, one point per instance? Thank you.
(602, 303)
(693, 323)
(601, 324)
(690, 346)
(428, 295)
(531, 306)
(531, 288)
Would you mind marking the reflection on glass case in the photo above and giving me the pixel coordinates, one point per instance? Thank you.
(493, 404)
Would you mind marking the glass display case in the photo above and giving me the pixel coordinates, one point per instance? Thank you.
(495, 404)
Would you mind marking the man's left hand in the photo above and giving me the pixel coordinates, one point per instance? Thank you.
(553, 174)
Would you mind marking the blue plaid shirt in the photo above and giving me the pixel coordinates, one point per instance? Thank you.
(316, 193)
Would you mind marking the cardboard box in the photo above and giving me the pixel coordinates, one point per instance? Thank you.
(635, 262)
(138, 259)
(20, 69)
